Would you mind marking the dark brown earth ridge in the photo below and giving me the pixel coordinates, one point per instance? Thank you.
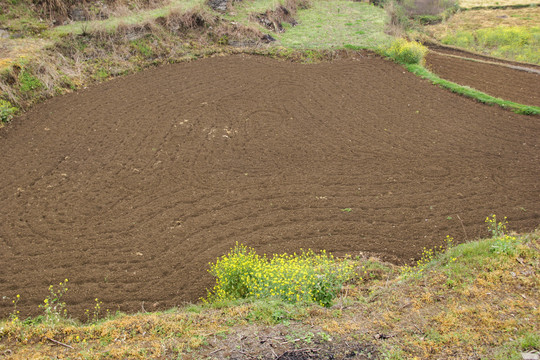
(130, 188)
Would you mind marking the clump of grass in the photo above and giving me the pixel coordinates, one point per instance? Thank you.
(7, 111)
(28, 82)
(308, 276)
(407, 52)
(521, 43)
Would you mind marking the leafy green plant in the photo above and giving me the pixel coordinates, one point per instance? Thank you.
(7, 111)
(298, 277)
(53, 306)
(503, 244)
(407, 52)
(28, 82)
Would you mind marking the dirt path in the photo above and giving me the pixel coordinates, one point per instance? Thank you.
(130, 188)
(499, 81)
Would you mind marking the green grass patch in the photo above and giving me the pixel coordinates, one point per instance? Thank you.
(472, 93)
(519, 43)
(28, 83)
(335, 24)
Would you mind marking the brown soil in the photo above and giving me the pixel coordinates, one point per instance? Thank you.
(496, 80)
(129, 189)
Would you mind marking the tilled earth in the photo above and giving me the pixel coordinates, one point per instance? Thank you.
(130, 188)
(500, 81)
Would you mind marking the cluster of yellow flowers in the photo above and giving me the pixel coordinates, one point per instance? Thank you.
(496, 228)
(308, 276)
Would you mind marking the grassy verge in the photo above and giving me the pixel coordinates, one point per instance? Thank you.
(411, 55)
(110, 24)
(475, 299)
(336, 24)
(468, 4)
(472, 93)
(516, 43)
(505, 33)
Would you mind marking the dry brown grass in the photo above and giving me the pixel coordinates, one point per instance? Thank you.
(75, 61)
(467, 4)
(479, 19)
(60, 9)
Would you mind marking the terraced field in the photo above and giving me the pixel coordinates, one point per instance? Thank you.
(130, 188)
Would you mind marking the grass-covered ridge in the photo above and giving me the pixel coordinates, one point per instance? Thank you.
(478, 298)
(472, 93)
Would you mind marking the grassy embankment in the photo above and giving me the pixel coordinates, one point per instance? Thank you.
(511, 34)
(475, 299)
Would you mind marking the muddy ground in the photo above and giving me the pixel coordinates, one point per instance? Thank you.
(130, 188)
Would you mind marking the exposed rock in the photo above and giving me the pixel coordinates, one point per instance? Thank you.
(267, 39)
(221, 5)
(78, 14)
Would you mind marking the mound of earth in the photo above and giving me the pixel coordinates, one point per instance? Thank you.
(130, 188)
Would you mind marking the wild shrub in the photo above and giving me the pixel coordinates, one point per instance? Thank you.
(407, 52)
(7, 111)
(309, 276)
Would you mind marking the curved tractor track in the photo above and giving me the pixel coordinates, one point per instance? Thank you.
(130, 188)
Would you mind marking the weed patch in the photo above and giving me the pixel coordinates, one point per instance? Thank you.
(7, 111)
(304, 277)
(515, 42)
(407, 52)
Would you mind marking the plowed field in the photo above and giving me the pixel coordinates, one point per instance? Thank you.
(130, 188)
(500, 81)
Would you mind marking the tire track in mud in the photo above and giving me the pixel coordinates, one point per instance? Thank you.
(131, 187)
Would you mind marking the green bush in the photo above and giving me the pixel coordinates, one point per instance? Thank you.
(7, 111)
(304, 277)
(407, 52)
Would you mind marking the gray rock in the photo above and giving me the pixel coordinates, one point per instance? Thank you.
(219, 5)
(78, 14)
